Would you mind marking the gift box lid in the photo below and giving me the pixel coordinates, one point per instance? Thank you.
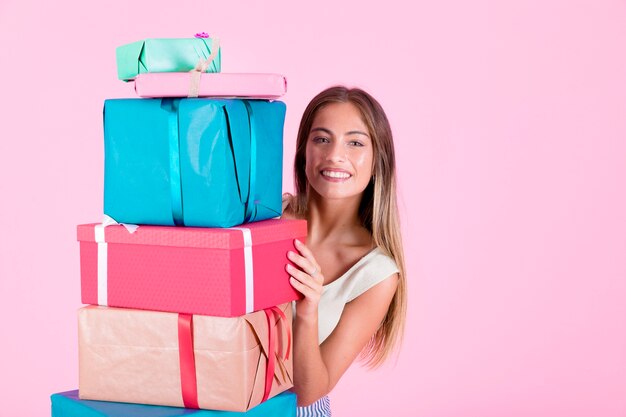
(265, 231)
(176, 84)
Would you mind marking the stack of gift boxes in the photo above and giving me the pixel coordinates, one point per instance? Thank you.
(189, 300)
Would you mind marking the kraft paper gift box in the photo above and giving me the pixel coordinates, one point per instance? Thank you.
(216, 272)
(179, 360)
(177, 84)
(166, 55)
(67, 404)
(193, 162)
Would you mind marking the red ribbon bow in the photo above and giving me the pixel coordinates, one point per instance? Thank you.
(189, 384)
(272, 313)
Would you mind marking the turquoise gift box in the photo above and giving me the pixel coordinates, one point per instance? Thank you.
(193, 162)
(67, 404)
(165, 55)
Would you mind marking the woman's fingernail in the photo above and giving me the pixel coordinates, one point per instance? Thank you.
(298, 243)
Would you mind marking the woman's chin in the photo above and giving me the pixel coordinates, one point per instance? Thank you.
(333, 193)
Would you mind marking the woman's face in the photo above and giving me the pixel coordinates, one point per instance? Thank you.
(339, 152)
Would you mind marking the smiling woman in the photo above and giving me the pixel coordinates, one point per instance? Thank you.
(351, 271)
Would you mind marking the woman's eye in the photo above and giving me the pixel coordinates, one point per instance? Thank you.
(355, 143)
(320, 139)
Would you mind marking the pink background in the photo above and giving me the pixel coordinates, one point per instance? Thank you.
(510, 127)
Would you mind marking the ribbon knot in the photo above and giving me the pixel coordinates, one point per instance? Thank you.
(274, 313)
(202, 66)
(276, 320)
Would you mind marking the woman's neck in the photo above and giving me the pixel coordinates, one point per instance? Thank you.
(332, 220)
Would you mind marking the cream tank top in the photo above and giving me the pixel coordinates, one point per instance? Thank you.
(368, 271)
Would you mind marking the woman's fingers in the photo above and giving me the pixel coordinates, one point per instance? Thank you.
(306, 261)
(305, 290)
(304, 278)
(306, 252)
(301, 246)
(305, 264)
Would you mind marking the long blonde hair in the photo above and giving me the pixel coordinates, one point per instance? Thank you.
(378, 210)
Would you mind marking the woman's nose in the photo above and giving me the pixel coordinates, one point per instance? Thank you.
(336, 152)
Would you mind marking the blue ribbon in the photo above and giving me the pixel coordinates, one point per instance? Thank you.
(176, 190)
(251, 200)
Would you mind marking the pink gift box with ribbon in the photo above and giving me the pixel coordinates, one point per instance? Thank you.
(183, 360)
(195, 84)
(223, 272)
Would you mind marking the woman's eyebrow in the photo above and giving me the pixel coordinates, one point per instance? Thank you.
(322, 129)
(357, 132)
(327, 131)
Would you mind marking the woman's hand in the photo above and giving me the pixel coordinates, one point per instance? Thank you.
(307, 279)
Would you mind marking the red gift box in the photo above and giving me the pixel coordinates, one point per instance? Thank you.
(225, 272)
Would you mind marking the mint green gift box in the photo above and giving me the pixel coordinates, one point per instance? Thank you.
(165, 55)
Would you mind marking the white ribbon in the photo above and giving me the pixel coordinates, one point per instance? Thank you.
(249, 271)
(103, 260)
(103, 255)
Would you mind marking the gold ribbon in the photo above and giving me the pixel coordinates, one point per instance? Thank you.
(202, 66)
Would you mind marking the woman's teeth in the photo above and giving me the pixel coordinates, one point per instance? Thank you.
(335, 174)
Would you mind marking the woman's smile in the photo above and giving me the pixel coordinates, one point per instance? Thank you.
(335, 175)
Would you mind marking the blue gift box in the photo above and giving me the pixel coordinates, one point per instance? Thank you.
(193, 162)
(67, 404)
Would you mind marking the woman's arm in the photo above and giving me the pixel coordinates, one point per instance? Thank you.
(317, 369)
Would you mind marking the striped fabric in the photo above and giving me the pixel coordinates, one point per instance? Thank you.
(320, 408)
